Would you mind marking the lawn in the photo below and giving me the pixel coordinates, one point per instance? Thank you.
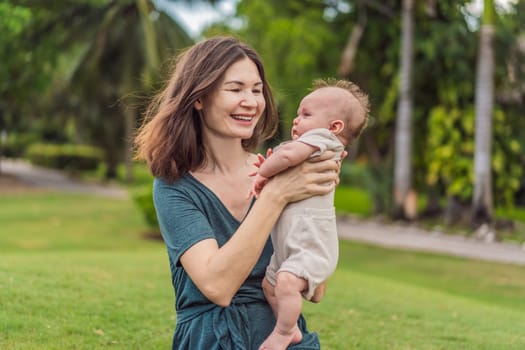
(76, 273)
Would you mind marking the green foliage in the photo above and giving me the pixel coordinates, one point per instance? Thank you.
(297, 46)
(14, 20)
(73, 61)
(144, 201)
(352, 200)
(364, 190)
(16, 144)
(451, 150)
(302, 40)
(69, 157)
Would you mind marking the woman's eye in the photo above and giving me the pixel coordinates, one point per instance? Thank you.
(257, 91)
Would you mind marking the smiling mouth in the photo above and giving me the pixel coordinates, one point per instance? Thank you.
(243, 118)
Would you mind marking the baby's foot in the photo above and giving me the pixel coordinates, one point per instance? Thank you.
(278, 340)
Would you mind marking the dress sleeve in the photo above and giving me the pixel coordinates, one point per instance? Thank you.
(182, 223)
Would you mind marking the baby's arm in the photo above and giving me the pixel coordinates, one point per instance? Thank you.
(288, 155)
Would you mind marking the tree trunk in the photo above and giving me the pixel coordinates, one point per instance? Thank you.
(403, 142)
(111, 168)
(482, 205)
(457, 212)
(150, 40)
(347, 58)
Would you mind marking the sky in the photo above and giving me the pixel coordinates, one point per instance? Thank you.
(199, 14)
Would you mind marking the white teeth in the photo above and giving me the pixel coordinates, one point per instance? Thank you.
(241, 117)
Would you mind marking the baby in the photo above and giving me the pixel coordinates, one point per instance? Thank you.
(305, 237)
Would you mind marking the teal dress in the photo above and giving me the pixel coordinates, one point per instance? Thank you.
(188, 212)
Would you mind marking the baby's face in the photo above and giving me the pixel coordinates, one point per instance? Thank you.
(317, 110)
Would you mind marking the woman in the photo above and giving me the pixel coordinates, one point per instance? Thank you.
(198, 141)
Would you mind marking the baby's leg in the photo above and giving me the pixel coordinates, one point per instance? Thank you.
(287, 291)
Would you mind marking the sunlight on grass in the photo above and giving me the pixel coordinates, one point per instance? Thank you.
(76, 273)
(86, 300)
(68, 221)
(367, 312)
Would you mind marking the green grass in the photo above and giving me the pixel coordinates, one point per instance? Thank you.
(141, 176)
(86, 300)
(388, 299)
(75, 273)
(363, 311)
(69, 222)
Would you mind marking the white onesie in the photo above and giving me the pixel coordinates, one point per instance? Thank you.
(304, 239)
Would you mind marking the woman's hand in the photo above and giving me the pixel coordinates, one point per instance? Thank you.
(316, 177)
(328, 155)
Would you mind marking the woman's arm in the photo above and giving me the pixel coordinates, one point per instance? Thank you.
(219, 272)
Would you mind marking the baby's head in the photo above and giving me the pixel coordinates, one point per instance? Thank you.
(338, 105)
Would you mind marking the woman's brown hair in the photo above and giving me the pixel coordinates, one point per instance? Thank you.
(170, 138)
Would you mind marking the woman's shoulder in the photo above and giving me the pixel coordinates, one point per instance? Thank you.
(184, 181)
(184, 185)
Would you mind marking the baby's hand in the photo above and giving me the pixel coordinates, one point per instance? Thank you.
(258, 183)
(261, 159)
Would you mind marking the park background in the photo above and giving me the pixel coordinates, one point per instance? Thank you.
(443, 150)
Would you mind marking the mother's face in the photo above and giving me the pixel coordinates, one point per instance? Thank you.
(235, 106)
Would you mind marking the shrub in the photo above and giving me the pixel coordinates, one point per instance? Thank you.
(450, 153)
(15, 145)
(144, 201)
(67, 157)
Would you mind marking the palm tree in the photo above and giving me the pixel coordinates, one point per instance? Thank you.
(482, 205)
(346, 63)
(352, 44)
(403, 194)
(105, 54)
(129, 41)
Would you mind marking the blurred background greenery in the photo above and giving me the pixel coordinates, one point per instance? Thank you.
(447, 84)
(444, 147)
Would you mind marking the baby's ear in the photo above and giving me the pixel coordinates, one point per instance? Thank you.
(336, 126)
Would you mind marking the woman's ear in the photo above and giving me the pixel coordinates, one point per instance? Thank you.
(198, 105)
(336, 126)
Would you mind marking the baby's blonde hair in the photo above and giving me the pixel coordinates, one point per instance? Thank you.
(362, 98)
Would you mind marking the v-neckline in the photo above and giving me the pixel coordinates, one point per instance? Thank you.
(216, 197)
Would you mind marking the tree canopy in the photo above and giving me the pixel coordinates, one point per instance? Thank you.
(73, 69)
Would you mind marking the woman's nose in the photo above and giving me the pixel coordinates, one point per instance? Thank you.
(249, 100)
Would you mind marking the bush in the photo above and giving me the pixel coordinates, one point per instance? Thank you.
(16, 144)
(144, 201)
(66, 157)
(353, 174)
(450, 154)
